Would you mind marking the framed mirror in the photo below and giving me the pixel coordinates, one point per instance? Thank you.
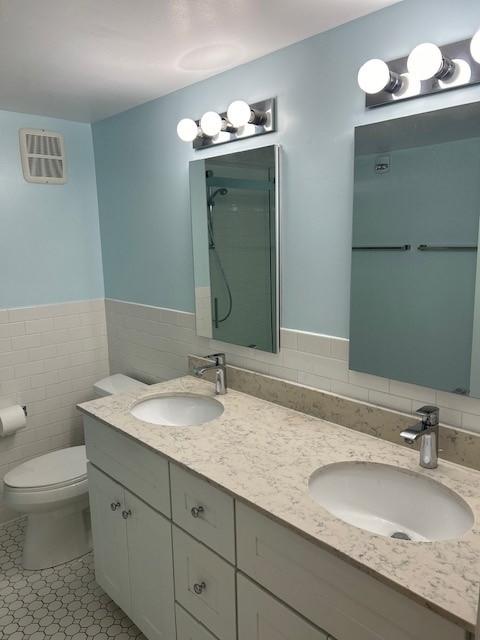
(235, 227)
(415, 302)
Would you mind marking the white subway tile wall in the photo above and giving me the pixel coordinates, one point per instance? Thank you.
(50, 356)
(152, 343)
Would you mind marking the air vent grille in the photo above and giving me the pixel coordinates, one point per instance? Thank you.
(43, 156)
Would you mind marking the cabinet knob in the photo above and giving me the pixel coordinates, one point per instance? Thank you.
(199, 587)
(197, 511)
(115, 505)
(126, 514)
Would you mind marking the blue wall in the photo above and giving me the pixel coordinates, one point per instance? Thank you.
(142, 167)
(49, 234)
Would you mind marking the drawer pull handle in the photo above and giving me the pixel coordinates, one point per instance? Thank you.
(115, 505)
(126, 514)
(199, 587)
(197, 511)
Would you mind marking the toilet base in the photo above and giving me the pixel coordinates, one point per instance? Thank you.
(55, 537)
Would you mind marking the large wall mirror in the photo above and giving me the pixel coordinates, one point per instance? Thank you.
(235, 224)
(415, 301)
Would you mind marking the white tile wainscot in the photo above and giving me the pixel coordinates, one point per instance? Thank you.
(153, 342)
(50, 356)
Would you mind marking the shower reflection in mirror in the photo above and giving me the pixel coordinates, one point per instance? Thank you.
(415, 294)
(234, 207)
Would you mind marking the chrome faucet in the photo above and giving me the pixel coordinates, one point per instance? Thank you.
(219, 364)
(427, 430)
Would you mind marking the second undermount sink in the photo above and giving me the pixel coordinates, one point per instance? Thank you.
(391, 501)
(178, 410)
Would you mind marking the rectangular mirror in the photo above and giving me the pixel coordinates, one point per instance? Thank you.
(235, 213)
(415, 306)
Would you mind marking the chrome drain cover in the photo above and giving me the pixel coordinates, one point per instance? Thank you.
(400, 535)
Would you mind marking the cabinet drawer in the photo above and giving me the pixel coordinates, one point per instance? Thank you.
(262, 617)
(204, 585)
(188, 628)
(204, 511)
(138, 468)
(334, 595)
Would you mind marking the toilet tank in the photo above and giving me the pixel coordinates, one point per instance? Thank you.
(117, 383)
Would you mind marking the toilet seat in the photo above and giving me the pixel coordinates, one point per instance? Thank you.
(50, 472)
(52, 490)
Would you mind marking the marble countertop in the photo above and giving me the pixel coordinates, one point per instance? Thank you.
(264, 454)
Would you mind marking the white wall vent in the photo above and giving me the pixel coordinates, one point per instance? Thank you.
(43, 156)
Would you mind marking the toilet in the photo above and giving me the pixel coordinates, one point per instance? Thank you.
(53, 491)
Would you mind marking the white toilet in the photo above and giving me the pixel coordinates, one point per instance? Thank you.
(53, 491)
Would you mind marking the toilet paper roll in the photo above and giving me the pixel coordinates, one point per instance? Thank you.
(11, 420)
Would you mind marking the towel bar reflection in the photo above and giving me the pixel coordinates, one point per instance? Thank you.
(399, 247)
(439, 247)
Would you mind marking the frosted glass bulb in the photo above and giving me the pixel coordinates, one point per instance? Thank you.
(475, 47)
(211, 123)
(187, 130)
(374, 76)
(239, 113)
(425, 61)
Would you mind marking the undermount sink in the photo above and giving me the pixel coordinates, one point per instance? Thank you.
(178, 410)
(390, 501)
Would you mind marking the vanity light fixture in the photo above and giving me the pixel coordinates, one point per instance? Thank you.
(428, 69)
(211, 123)
(375, 76)
(240, 113)
(241, 120)
(187, 130)
(427, 61)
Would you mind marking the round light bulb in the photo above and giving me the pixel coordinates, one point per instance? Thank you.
(187, 130)
(425, 61)
(239, 113)
(475, 47)
(374, 76)
(211, 123)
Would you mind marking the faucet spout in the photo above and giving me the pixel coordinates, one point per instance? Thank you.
(427, 431)
(417, 431)
(219, 366)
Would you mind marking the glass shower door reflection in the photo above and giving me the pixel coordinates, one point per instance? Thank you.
(235, 233)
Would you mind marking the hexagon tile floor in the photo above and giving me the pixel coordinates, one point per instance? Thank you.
(63, 603)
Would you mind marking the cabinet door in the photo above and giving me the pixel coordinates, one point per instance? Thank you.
(151, 569)
(109, 536)
(262, 617)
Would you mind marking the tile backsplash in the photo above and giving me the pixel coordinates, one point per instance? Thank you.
(152, 343)
(50, 356)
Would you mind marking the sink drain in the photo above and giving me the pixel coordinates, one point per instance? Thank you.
(400, 535)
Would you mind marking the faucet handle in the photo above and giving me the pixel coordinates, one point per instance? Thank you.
(218, 357)
(430, 415)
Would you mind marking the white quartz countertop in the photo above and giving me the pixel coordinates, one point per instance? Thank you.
(264, 454)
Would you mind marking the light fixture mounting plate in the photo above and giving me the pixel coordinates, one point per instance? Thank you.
(248, 131)
(456, 50)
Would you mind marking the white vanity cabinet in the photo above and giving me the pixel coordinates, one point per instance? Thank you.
(188, 562)
(133, 557)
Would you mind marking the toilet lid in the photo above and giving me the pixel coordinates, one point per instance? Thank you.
(55, 468)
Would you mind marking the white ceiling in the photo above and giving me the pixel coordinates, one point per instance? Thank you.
(88, 59)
